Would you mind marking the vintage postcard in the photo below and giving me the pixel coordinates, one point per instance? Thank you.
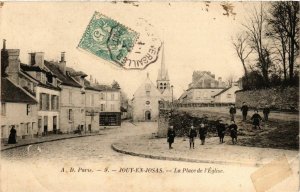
(132, 96)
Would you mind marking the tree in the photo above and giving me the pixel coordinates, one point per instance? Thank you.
(284, 27)
(256, 32)
(115, 85)
(242, 49)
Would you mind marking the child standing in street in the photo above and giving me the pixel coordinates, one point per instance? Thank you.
(171, 136)
(192, 135)
(256, 119)
(221, 130)
(233, 132)
(202, 132)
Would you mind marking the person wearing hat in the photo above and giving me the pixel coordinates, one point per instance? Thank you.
(256, 119)
(232, 112)
(171, 135)
(202, 132)
(192, 135)
(244, 110)
(221, 130)
(233, 132)
(266, 112)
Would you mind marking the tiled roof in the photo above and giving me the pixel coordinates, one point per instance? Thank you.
(47, 85)
(222, 91)
(26, 67)
(205, 88)
(66, 79)
(98, 87)
(12, 93)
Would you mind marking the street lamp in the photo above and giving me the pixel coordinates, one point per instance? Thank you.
(172, 93)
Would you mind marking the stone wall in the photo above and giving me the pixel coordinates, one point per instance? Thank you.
(278, 98)
(163, 122)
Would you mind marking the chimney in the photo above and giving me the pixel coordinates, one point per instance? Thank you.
(62, 63)
(62, 57)
(220, 81)
(13, 67)
(91, 79)
(39, 59)
(31, 58)
(4, 44)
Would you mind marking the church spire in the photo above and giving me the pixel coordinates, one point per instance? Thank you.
(163, 65)
(163, 72)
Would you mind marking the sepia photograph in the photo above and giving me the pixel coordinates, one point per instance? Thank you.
(142, 96)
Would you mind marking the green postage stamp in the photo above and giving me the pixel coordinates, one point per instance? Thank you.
(114, 42)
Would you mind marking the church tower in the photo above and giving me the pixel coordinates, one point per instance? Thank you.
(163, 81)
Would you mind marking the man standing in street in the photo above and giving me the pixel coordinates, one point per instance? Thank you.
(171, 136)
(232, 112)
(244, 110)
(192, 135)
(221, 130)
(266, 112)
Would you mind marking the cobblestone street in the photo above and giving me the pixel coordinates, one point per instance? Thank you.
(49, 165)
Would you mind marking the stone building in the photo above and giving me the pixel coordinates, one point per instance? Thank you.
(16, 102)
(105, 101)
(146, 97)
(203, 88)
(72, 97)
(18, 106)
(227, 95)
(46, 91)
(38, 84)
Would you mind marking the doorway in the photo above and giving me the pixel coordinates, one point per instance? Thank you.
(147, 115)
(45, 125)
(54, 124)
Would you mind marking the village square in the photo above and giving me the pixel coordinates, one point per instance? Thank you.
(60, 117)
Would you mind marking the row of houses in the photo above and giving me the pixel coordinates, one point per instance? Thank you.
(45, 97)
(206, 89)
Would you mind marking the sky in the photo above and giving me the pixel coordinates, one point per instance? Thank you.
(194, 38)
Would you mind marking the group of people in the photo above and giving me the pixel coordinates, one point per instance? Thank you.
(256, 118)
(192, 134)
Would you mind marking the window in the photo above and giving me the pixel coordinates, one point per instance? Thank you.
(102, 107)
(70, 114)
(82, 110)
(47, 102)
(38, 76)
(102, 96)
(43, 78)
(147, 102)
(27, 128)
(3, 108)
(39, 122)
(107, 96)
(44, 101)
(112, 96)
(70, 96)
(148, 93)
(112, 107)
(54, 102)
(28, 109)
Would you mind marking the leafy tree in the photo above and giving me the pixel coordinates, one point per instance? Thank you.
(115, 85)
